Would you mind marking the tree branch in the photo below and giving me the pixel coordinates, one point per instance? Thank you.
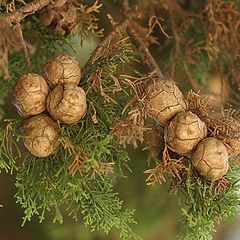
(134, 36)
(150, 61)
(137, 39)
(25, 11)
(18, 26)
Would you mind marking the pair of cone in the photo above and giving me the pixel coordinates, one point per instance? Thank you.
(185, 133)
(66, 102)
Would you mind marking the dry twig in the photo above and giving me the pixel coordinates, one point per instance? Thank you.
(221, 186)
(133, 32)
(215, 117)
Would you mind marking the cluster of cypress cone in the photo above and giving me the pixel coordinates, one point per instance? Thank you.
(44, 101)
(184, 132)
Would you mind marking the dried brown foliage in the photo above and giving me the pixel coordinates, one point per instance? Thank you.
(174, 168)
(137, 85)
(101, 168)
(96, 82)
(81, 164)
(9, 41)
(96, 78)
(221, 186)
(154, 142)
(131, 130)
(218, 120)
(223, 25)
(217, 25)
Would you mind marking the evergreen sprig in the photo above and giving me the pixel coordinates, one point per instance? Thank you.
(204, 207)
(9, 149)
(88, 19)
(77, 180)
(45, 186)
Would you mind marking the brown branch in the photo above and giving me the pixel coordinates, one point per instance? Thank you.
(152, 64)
(154, 21)
(137, 39)
(25, 11)
(133, 32)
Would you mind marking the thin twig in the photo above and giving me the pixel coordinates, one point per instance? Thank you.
(152, 64)
(153, 21)
(136, 38)
(195, 84)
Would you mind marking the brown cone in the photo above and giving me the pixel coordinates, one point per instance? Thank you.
(67, 103)
(29, 94)
(184, 132)
(62, 69)
(41, 135)
(63, 19)
(164, 100)
(211, 158)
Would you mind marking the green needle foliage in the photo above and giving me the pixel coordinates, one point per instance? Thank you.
(44, 186)
(205, 207)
